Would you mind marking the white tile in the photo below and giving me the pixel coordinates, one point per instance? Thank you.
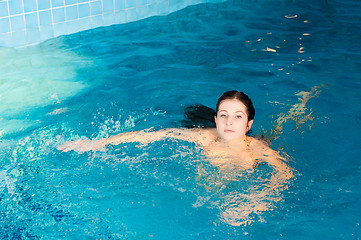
(108, 19)
(72, 27)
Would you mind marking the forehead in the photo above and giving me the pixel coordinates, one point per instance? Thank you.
(232, 105)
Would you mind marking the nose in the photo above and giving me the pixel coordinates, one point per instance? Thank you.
(229, 121)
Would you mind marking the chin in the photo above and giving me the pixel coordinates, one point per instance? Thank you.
(229, 136)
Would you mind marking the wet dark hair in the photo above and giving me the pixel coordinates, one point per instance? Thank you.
(241, 96)
(198, 115)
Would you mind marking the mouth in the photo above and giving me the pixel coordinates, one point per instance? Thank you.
(229, 131)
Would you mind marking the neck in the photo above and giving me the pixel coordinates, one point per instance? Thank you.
(238, 142)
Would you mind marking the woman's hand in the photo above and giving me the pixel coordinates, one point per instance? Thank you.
(82, 145)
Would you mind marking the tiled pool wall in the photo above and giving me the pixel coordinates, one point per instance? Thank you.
(27, 22)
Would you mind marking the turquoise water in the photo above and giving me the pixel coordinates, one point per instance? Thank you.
(299, 62)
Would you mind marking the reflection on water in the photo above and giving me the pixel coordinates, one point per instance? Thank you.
(298, 113)
(35, 77)
(245, 192)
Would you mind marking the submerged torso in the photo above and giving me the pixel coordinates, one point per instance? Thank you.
(242, 153)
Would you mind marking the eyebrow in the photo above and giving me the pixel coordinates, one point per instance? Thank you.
(235, 111)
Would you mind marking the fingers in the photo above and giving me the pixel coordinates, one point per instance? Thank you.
(66, 147)
(63, 147)
(69, 146)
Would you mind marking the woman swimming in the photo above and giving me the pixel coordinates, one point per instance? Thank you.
(228, 143)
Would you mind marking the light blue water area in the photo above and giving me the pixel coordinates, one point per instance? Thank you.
(298, 61)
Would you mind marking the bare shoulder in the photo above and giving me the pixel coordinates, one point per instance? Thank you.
(205, 136)
(256, 142)
(261, 146)
(210, 132)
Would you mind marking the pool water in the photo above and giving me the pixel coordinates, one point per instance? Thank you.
(298, 61)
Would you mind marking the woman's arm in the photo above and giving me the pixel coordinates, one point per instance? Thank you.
(283, 173)
(143, 137)
(146, 137)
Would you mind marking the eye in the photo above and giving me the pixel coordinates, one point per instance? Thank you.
(222, 115)
(239, 116)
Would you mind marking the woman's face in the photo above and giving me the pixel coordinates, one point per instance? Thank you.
(232, 120)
